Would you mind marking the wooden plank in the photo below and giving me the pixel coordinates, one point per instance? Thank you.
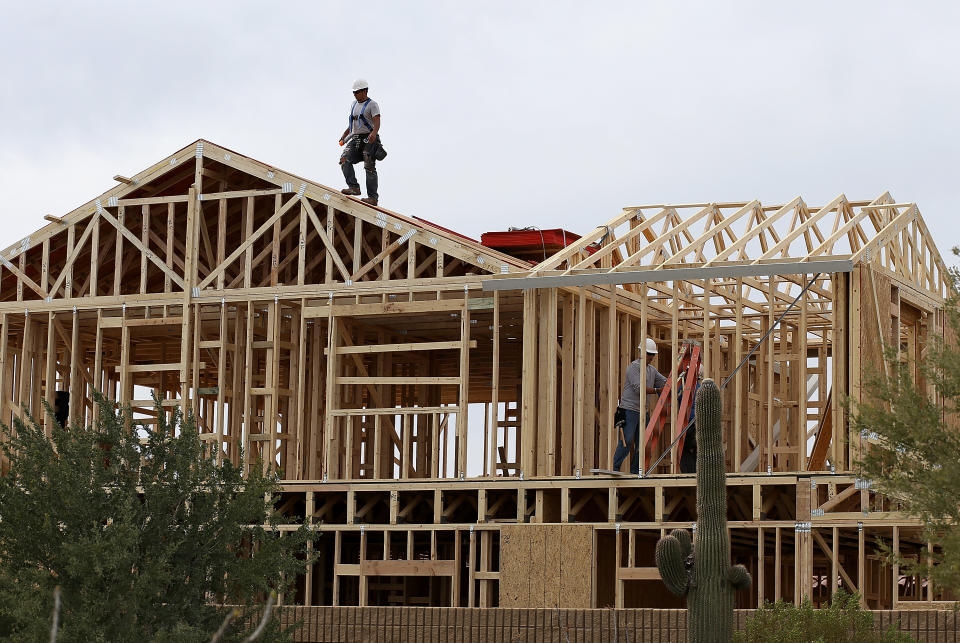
(407, 567)
(821, 444)
(638, 573)
(528, 408)
(399, 380)
(405, 347)
(387, 308)
(150, 368)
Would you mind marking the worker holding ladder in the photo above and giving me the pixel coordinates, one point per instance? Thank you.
(641, 378)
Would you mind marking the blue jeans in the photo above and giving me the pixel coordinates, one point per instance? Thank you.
(631, 433)
(358, 149)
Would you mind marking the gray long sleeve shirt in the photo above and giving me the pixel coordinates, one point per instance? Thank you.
(635, 384)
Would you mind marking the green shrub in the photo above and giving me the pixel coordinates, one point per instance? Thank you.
(843, 621)
(143, 531)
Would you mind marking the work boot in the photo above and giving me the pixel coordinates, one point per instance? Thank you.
(350, 191)
(369, 200)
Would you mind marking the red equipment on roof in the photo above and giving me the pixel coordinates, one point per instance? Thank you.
(530, 244)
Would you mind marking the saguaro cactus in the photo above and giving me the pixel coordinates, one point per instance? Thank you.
(701, 570)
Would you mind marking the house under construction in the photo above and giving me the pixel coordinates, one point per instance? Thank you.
(441, 410)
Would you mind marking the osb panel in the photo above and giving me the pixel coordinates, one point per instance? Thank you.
(553, 563)
(536, 567)
(576, 573)
(546, 565)
(514, 565)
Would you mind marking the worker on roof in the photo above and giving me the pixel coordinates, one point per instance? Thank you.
(361, 142)
(641, 378)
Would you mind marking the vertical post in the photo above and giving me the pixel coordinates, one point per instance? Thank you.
(579, 382)
(777, 564)
(51, 374)
(738, 380)
(97, 367)
(767, 398)
(834, 562)
(331, 454)
(301, 371)
(471, 569)
(118, 251)
(94, 256)
(76, 363)
(337, 539)
(186, 334)
(45, 267)
(71, 241)
(800, 349)
(612, 377)
(248, 411)
(566, 463)
(642, 354)
(302, 246)
(675, 370)
(547, 384)
(494, 421)
(528, 410)
(221, 380)
(895, 573)
(761, 564)
(145, 240)
(463, 397)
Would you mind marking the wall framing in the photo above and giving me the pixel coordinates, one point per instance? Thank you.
(417, 416)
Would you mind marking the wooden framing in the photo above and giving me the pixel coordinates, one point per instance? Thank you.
(411, 412)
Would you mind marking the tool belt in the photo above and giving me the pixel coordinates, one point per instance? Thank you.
(357, 147)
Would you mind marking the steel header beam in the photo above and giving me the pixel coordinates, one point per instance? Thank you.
(652, 275)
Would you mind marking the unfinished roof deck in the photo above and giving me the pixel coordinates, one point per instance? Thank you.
(351, 345)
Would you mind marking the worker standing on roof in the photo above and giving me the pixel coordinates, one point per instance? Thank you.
(641, 378)
(362, 142)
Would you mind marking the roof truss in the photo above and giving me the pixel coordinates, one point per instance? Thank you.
(232, 223)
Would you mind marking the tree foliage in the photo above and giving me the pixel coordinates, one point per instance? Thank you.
(143, 531)
(842, 621)
(915, 422)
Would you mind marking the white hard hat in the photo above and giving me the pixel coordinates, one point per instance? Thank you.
(359, 84)
(651, 347)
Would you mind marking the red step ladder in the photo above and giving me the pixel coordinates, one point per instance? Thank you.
(688, 365)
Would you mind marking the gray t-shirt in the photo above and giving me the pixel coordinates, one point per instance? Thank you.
(635, 384)
(369, 110)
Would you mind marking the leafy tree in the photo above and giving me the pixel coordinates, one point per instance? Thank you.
(143, 536)
(917, 460)
(843, 621)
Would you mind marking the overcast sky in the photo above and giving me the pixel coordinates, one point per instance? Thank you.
(495, 114)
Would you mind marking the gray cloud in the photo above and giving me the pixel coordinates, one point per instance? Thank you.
(495, 114)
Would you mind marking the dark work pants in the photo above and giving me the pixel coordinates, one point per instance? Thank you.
(631, 431)
(688, 459)
(356, 149)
